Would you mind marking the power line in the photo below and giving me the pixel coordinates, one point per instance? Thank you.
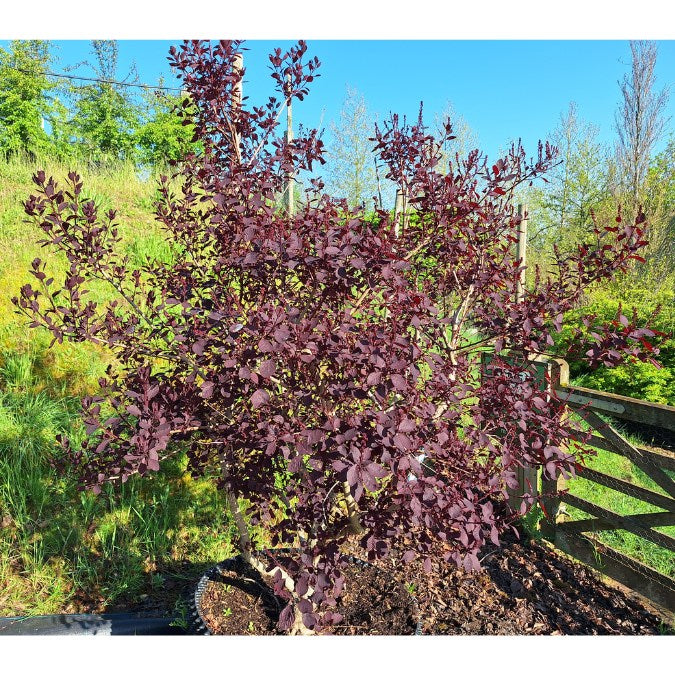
(93, 79)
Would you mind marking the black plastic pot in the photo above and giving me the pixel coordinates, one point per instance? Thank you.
(197, 624)
(89, 624)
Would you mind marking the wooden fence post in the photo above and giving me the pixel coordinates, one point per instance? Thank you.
(558, 376)
(527, 477)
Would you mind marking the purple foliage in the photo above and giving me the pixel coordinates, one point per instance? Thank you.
(315, 360)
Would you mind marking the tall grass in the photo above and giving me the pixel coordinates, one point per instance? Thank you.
(59, 547)
(57, 543)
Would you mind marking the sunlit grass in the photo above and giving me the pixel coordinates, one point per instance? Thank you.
(630, 544)
(57, 544)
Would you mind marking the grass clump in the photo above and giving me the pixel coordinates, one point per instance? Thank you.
(62, 550)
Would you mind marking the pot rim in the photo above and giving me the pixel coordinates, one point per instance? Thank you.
(197, 622)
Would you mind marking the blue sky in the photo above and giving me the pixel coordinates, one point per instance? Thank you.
(504, 89)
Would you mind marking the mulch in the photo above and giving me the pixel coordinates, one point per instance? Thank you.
(527, 588)
(524, 588)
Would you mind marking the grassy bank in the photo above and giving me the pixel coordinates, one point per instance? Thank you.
(61, 549)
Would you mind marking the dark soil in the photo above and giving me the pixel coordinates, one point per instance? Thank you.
(525, 588)
(375, 603)
(240, 603)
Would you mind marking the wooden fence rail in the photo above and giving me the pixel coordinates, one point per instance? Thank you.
(623, 407)
(575, 537)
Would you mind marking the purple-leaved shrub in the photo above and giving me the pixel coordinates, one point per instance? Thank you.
(315, 359)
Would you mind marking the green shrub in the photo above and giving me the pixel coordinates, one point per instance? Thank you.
(638, 380)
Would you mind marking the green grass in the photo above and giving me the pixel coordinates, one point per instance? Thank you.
(630, 544)
(57, 544)
(646, 552)
(60, 547)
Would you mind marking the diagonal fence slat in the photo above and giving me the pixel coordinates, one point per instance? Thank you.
(627, 488)
(652, 584)
(621, 522)
(661, 458)
(660, 519)
(658, 475)
(575, 537)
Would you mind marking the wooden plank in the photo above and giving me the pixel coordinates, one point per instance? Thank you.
(660, 477)
(657, 587)
(528, 482)
(621, 522)
(627, 488)
(661, 519)
(645, 412)
(662, 458)
(550, 499)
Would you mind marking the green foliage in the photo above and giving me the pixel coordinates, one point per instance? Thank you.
(106, 119)
(163, 137)
(636, 379)
(660, 208)
(24, 97)
(561, 209)
(103, 124)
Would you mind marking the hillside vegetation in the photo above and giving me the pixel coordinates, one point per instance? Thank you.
(56, 542)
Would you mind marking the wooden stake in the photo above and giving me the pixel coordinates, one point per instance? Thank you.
(237, 96)
(400, 212)
(290, 202)
(521, 252)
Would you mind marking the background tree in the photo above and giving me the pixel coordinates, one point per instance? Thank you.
(659, 197)
(466, 139)
(162, 136)
(639, 121)
(350, 168)
(106, 118)
(561, 209)
(25, 103)
(641, 179)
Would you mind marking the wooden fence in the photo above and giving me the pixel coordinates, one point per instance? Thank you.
(575, 537)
